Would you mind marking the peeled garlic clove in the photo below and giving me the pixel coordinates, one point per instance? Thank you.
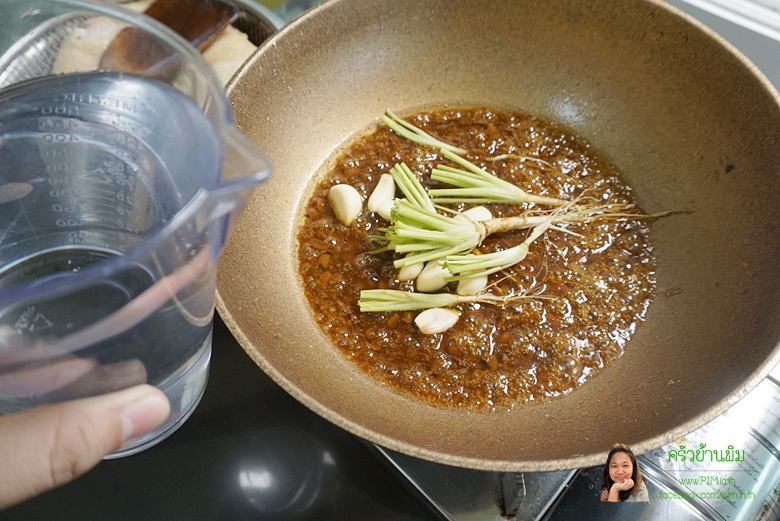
(383, 192)
(387, 207)
(472, 285)
(346, 203)
(411, 271)
(477, 213)
(431, 278)
(385, 210)
(436, 320)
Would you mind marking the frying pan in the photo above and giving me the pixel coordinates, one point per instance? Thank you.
(689, 121)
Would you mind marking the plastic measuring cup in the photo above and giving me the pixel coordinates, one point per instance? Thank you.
(117, 193)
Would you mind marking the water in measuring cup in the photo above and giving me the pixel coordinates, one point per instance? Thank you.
(168, 349)
(90, 167)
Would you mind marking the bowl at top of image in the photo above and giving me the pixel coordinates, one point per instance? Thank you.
(687, 120)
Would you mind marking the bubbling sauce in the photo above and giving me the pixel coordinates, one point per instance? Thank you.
(597, 284)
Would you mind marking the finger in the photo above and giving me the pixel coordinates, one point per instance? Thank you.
(51, 445)
(43, 379)
(103, 379)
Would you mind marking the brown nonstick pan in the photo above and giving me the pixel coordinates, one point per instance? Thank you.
(691, 124)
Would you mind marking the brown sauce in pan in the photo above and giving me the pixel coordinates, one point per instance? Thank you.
(494, 357)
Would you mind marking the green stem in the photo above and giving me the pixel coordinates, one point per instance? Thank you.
(411, 187)
(426, 235)
(414, 134)
(469, 266)
(475, 185)
(382, 300)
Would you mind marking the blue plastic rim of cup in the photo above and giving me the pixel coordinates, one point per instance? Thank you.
(117, 193)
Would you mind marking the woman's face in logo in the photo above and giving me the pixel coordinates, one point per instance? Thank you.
(620, 467)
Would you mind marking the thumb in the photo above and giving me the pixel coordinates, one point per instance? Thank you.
(53, 444)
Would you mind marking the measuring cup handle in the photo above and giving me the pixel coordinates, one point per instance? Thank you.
(243, 168)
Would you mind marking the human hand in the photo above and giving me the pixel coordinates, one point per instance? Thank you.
(626, 484)
(50, 445)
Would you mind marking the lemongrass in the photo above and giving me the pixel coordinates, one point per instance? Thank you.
(389, 300)
(464, 267)
(411, 187)
(520, 158)
(425, 235)
(375, 300)
(572, 214)
(415, 134)
(471, 266)
(476, 185)
(566, 231)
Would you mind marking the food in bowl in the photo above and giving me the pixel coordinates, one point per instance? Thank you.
(532, 330)
(84, 45)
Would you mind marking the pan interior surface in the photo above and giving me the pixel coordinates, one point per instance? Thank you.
(690, 124)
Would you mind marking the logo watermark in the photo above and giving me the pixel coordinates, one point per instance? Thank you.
(710, 485)
(704, 454)
(723, 495)
(708, 480)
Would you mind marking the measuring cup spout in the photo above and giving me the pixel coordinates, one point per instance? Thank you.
(244, 167)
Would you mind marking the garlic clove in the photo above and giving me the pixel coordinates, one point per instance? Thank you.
(431, 278)
(346, 203)
(472, 285)
(436, 320)
(383, 192)
(385, 210)
(410, 271)
(477, 213)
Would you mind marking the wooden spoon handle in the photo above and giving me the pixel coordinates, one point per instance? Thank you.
(199, 21)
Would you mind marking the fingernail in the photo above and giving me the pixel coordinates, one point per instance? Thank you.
(144, 414)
